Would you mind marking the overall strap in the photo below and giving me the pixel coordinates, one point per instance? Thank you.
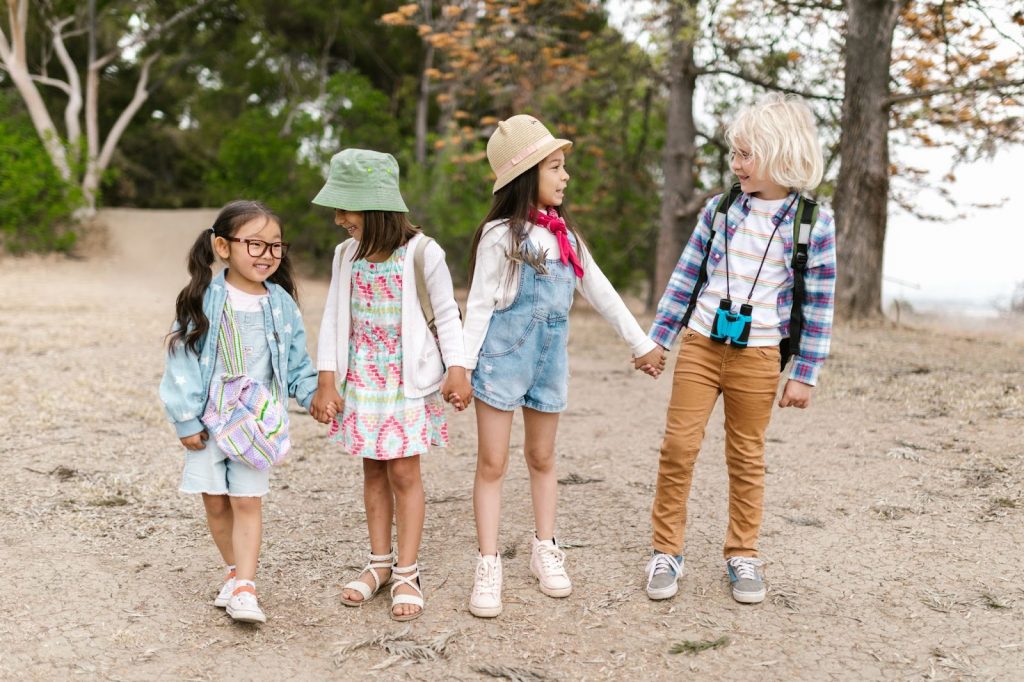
(229, 342)
(721, 213)
(805, 218)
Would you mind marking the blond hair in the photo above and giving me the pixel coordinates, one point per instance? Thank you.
(781, 134)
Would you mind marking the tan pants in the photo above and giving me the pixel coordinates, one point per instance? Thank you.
(748, 379)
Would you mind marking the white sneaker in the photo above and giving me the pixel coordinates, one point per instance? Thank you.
(244, 607)
(224, 596)
(485, 602)
(547, 562)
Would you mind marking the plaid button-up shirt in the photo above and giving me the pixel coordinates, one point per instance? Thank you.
(819, 282)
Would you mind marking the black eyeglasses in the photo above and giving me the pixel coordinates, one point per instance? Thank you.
(258, 247)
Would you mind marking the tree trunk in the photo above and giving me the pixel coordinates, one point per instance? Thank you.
(677, 213)
(862, 192)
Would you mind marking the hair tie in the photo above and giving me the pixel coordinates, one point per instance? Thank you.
(213, 231)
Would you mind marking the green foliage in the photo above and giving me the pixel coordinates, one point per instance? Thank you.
(448, 199)
(35, 203)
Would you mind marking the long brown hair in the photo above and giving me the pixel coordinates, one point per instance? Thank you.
(383, 232)
(512, 204)
(191, 323)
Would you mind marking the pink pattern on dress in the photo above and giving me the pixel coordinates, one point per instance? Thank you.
(379, 421)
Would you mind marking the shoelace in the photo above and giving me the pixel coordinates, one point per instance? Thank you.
(248, 600)
(745, 568)
(486, 578)
(663, 563)
(552, 558)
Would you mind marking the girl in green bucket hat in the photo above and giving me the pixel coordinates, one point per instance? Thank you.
(382, 377)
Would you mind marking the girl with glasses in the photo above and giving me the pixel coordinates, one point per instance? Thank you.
(257, 291)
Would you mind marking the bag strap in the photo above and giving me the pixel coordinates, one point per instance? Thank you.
(229, 346)
(419, 267)
(229, 342)
(719, 223)
(806, 217)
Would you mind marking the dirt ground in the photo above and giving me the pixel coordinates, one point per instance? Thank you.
(893, 526)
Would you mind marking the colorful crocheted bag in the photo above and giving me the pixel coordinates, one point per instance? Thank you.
(247, 421)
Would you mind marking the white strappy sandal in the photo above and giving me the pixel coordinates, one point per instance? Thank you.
(406, 575)
(377, 561)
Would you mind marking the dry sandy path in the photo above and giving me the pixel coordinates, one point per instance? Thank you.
(893, 522)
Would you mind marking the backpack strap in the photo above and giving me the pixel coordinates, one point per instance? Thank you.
(419, 267)
(805, 218)
(725, 202)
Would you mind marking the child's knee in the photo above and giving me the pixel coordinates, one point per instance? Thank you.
(491, 467)
(680, 449)
(540, 462)
(404, 475)
(217, 506)
(246, 505)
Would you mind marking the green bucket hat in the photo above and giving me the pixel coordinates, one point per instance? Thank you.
(362, 180)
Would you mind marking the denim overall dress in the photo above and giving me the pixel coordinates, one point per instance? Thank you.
(524, 359)
(209, 470)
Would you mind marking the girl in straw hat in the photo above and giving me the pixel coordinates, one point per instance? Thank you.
(377, 350)
(527, 260)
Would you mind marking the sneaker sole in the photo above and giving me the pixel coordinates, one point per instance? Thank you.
(221, 603)
(557, 594)
(247, 616)
(749, 597)
(658, 594)
(485, 611)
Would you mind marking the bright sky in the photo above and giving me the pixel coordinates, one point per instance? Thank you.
(970, 264)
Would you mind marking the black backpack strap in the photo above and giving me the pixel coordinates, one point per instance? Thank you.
(805, 218)
(725, 202)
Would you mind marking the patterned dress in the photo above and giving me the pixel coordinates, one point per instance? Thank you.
(379, 421)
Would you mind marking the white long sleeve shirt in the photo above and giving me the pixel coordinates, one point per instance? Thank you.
(492, 289)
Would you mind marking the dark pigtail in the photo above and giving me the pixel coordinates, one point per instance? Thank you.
(191, 324)
(190, 321)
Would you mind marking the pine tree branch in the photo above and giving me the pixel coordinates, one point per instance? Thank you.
(976, 86)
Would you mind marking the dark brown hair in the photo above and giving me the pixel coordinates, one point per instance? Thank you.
(383, 232)
(512, 204)
(190, 322)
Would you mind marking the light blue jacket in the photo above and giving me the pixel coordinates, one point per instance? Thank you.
(185, 386)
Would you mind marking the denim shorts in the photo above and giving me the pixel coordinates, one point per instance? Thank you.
(210, 471)
(524, 360)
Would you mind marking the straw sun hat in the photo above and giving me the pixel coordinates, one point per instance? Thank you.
(518, 144)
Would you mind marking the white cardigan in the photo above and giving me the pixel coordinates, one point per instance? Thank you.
(492, 290)
(422, 371)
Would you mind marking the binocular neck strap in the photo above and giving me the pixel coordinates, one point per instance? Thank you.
(776, 220)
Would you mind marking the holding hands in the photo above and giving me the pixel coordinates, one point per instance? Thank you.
(456, 388)
(652, 364)
(327, 402)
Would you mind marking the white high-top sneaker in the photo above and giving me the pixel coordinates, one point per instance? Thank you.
(547, 562)
(485, 602)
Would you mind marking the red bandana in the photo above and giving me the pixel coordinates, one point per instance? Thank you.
(554, 223)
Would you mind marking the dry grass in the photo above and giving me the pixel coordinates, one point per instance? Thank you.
(695, 647)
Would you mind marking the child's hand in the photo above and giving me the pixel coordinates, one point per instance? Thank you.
(796, 394)
(197, 441)
(326, 403)
(652, 363)
(456, 388)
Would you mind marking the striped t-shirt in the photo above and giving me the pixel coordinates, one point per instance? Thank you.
(746, 249)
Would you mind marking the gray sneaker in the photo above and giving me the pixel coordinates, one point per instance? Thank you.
(746, 578)
(663, 575)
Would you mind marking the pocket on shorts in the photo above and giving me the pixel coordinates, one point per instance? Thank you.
(503, 341)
